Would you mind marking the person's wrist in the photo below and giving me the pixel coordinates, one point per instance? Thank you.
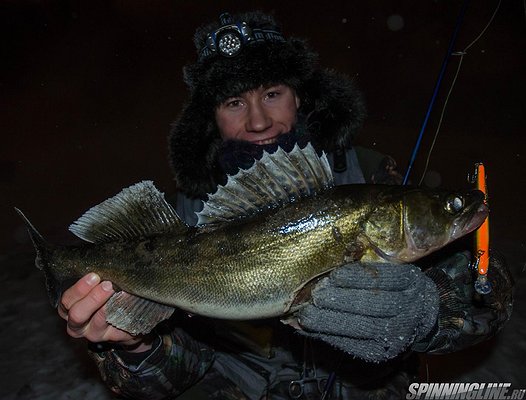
(138, 345)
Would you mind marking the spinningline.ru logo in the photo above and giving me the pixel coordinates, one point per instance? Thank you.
(470, 391)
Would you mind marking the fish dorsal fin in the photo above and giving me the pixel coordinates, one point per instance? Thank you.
(137, 211)
(274, 180)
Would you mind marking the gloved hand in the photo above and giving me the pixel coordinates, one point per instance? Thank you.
(373, 311)
(465, 317)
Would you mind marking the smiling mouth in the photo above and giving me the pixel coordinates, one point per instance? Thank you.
(266, 141)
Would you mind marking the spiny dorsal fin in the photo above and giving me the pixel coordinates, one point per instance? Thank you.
(275, 179)
(137, 211)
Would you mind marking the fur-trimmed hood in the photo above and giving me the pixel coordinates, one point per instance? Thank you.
(332, 108)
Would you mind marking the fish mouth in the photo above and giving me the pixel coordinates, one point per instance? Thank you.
(472, 219)
(480, 215)
(472, 223)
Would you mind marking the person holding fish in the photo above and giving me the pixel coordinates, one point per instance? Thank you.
(351, 331)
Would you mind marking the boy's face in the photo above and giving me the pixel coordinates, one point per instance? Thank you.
(258, 116)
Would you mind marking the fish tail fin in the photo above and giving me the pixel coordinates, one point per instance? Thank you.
(44, 254)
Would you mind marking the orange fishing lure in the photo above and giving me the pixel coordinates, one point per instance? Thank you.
(482, 284)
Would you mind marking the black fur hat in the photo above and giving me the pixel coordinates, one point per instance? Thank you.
(255, 54)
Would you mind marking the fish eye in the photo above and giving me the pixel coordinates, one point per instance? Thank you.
(454, 204)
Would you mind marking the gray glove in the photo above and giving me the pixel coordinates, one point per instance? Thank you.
(372, 311)
(465, 317)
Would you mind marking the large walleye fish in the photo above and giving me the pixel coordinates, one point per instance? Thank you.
(260, 239)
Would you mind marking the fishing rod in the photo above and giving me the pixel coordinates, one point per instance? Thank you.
(452, 41)
(461, 55)
(481, 259)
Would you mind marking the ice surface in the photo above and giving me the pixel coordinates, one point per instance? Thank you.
(39, 360)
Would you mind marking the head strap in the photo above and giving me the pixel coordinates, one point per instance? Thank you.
(230, 38)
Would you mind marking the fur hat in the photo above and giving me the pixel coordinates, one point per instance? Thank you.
(242, 53)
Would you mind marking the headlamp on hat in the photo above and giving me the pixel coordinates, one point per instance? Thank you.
(230, 38)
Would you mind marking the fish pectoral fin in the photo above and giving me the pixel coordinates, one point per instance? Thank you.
(302, 296)
(134, 314)
(355, 250)
(291, 320)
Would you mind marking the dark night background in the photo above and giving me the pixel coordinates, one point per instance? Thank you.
(88, 90)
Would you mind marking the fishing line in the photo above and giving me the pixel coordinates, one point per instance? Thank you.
(435, 90)
(441, 117)
(461, 54)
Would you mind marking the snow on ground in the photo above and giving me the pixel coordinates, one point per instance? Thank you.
(39, 361)
(503, 358)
